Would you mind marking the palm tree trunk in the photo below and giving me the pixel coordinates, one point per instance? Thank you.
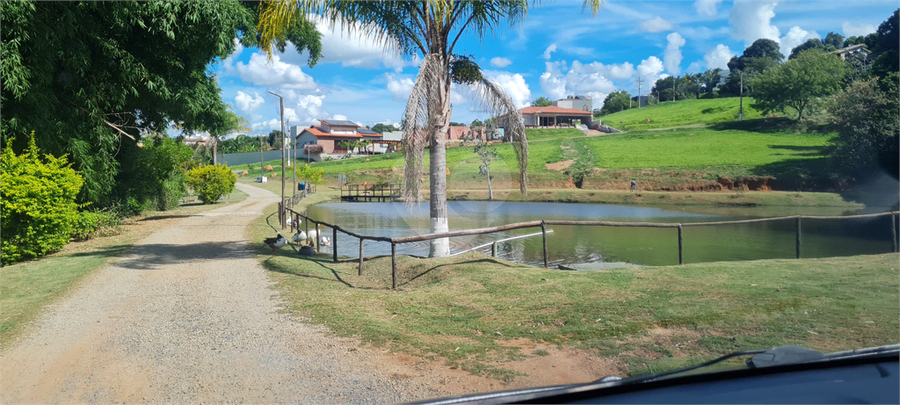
(438, 179)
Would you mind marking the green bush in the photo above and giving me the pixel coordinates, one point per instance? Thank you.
(93, 223)
(37, 194)
(210, 183)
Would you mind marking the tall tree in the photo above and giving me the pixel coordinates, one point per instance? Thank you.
(541, 102)
(431, 30)
(799, 82)
(90, 77)
(812, 43)
(711, 79)
(760, 56)
(834, 40)
(865, 116)
(616, 101)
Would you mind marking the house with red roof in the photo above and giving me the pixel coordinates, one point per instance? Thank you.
(329, 134)
(553, 116)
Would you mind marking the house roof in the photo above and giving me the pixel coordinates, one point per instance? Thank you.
(341, 123)
(318, 131)
(552, 109)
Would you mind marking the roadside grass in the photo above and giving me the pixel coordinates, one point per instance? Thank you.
(26, 288)
(478, 313)
(683, 112)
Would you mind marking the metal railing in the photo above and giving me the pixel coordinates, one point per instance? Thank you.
(894, 218)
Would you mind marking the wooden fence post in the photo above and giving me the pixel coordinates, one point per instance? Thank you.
(798, 236)
(544, 235)
(494, 249)
(317, 238)
(680, 244)
(393, 266)
(894, 230)
(360, 255)
(334, 243)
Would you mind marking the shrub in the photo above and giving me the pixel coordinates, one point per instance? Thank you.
(210, 183)
(37, 194)
(94, 223)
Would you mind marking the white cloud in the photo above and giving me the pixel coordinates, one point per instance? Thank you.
(339, 117)
(228, 63)
(248, 103)
(399, 88)
(672, 54)
(550, 49)
(851, 30)
(500, 62)
(694, 67)
(276, 74)
(657, 24)
(650, 70)
(717, 57)
(351, 46)
(558, 81)
(513, 84)
(795, 36)
(752, 19)
(706, 8)
(266, 126)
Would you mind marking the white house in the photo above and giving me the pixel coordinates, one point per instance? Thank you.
(582, 103)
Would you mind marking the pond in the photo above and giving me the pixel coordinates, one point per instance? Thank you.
(582, 244)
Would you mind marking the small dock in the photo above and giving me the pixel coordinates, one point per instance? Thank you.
(373, 193)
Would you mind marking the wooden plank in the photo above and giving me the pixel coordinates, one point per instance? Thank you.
(680, 244)
(544, 236)
(394, 266)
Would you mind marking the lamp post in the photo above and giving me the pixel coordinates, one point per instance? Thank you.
(281, 211)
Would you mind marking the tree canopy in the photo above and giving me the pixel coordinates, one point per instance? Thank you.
(541, 102)
(799, 82)
(88, 77)
(616, 101)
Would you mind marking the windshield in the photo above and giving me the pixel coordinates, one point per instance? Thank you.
(399, 201)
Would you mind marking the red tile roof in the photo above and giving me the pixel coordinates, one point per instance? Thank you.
(552, 109)
(319, 132)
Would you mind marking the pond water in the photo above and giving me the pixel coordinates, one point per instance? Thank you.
(580, 244)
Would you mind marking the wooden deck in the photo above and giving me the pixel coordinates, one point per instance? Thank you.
(373, 193)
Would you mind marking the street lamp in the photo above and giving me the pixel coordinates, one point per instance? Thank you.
(281, 209)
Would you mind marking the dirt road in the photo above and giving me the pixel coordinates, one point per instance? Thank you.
(188, 317)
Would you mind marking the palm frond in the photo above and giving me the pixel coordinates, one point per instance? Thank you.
(416, 124)
(497, 102)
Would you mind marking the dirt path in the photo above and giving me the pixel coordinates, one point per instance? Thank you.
(188, 317)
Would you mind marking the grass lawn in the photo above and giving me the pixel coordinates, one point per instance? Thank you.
(683, 112)
(483, 314)
(27, 287)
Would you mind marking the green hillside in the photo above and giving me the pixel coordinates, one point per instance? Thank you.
(678, 113)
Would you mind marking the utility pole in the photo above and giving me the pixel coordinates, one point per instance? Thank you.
(639, 91)
(281, 212)
(293, 168)
(741, 111)
(262, 170)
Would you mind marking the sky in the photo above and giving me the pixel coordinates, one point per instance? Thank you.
(556, 51)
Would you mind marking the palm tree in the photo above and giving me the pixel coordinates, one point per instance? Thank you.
(431, 30)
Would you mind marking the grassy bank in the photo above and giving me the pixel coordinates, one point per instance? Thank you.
(683, 112)
(28, 287)
(486, 315)
(758, 154)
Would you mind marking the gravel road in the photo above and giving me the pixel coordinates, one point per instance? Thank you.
(188, 317)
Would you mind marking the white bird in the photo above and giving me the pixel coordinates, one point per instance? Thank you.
(276, 242)
(324, 241)
(300, 236)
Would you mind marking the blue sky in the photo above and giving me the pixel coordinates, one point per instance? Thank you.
(557, 50)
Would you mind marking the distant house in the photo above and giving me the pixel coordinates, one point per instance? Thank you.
(857, 53)
(582, 103)
(329, 134)
(553, 116)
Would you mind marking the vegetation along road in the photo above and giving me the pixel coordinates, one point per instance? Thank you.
(187, 316)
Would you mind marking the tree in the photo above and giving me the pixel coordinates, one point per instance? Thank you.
(833, 40)
(90, 77)
(711, 79)
(798, 82)
(665, 87)
(886, 45)
(541, 102)
(812, 43)
(868, 125)
(429, 29)
(275, 139)
(487, 154)
(616, 101)
(759, 57)
(382, 128)
(476, 123)
(211, 182)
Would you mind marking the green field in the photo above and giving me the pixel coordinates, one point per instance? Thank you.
(691, 158)
(683, 112)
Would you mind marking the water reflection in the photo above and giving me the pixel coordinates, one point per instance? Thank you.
(579, 244)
